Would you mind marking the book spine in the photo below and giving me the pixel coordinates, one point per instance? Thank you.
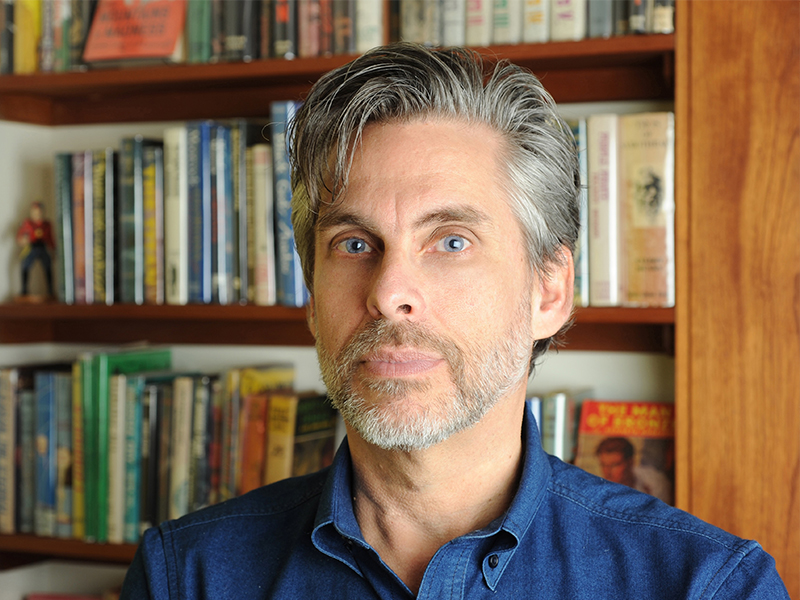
(61, 35)
(81, 20)
(230, 436)
(78, 458)
(78, 230)
(225, 232)
(27, 35)
(91, 447)
(215, 442)
(46, 466)
(568, 20)
(282, 421)
(164, 457)
(507, 20)
(27, 492)
(63, 188)
(252, 26)
(8, 446)
(139, 145)
(479, 22)
(126, 224)
(116, 458)
(602, 148)
(176, 215)
(148, 470)
(264, 29)
(647, 168)
(536, 21)
(199, 472)
(253, 427)
(637, 16)
(214, 214)
(620, 9)
(199, 180)
(233, 23)
(64, 454)
(198, 29)
(284, 28)
(308, 28)
(344, 30)
(326, 27)
(88, 222)
(291, 288)
(454, 23)
(112, 235)
(581, 258)
(181, 446)
(265, 294)
(7, 38)
(369, 24)
(133, 459)
(99, 226)
(152, 200)
(248, 233)
(600, 19)
(663, 16)
(47, 56)
(412, 21)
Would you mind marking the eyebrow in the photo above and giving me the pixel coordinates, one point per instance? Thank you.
(453, 214)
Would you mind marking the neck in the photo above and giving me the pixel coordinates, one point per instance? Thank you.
(409, 504)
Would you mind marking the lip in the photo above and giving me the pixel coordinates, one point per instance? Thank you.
(400, 363)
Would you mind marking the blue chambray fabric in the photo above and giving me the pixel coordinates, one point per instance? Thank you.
(567, 535)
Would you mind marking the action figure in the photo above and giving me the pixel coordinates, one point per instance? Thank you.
(35, 235)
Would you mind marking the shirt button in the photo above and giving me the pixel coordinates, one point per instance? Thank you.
(494, 561)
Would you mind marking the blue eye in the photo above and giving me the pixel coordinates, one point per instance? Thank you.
(354, 246)
(453, 243)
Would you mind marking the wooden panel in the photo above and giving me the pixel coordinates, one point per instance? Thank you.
(739, 344)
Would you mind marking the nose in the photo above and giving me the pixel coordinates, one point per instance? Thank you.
(396, 293)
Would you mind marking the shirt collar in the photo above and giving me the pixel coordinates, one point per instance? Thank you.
(336, 528)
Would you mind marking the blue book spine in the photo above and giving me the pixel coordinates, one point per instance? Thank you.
(133, 452)
(46, 435)
(200, 246)
(291, 288)
(26, 499)
(226, 247)
(63, 389)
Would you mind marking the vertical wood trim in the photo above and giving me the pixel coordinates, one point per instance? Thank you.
(739, 326)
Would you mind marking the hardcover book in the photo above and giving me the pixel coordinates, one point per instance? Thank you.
(631, 443)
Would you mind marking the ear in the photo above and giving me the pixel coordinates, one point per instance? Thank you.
(553, 304)
(311, 317)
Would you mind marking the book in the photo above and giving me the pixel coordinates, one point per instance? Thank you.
(116, 476)
(600, 22)
(103, 225)
(284, 28)
(7, 37)
(78, 455)
(637, 16)
(344, 27)
(96, 419)
(64, 247)
(369, 24)
(454, 22)
(82, 13)
(201, 439)
(536, 21)
(136, 31)
(27, 35)
(8, 449)
(25, 496)
(604, 234)
(64, 454)
(44, 517)
(136, 449)
(183, 391)
(480, 23)
(507, 22)
(568, 20)
(153, 223)
(176, 215)
(199, 211)
(630, 443)
(647, 206)
(663, 20)
(620, 12)
(413, 24)
(326, 27)
(263, 230)
(198, 31)
(581, 256)
(560, 417)
(47, 56)
(301, 433)
(224, 217)
(79, 227)
(308, 28)
(291, 288)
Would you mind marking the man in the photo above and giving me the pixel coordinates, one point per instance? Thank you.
(435, 213)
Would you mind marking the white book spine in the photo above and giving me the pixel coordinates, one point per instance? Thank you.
(176, 218)
(369, 24)
(454, 22)
(602, 147)
(480, 24)
(568, 20)
(536, 21)
(263, 217)
(183, 403)
(507, 22)
(116, 459)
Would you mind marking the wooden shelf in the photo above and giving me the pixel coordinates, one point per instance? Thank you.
(618, 68)
(17, 549)
(629, 329)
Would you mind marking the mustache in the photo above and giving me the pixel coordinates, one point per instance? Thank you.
(380, 334)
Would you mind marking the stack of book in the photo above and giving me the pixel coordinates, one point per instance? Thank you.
(200, 216)
(100, 448)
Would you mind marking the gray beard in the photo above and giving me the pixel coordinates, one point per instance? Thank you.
(481, 376)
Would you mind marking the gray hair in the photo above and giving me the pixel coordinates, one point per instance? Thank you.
(404, 82)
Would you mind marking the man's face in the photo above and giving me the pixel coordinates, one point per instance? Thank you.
(423, 302)
(616, 467)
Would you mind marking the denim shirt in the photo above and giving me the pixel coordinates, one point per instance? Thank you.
(567, 534)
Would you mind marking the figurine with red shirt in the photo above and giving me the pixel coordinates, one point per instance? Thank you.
(35, 235)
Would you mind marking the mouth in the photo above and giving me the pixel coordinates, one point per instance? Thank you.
(400, 363)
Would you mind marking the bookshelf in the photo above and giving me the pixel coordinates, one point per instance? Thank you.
(732, 70)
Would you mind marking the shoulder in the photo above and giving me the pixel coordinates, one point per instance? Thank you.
(648, 535)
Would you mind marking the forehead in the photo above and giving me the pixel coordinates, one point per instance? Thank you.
(425, 165)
